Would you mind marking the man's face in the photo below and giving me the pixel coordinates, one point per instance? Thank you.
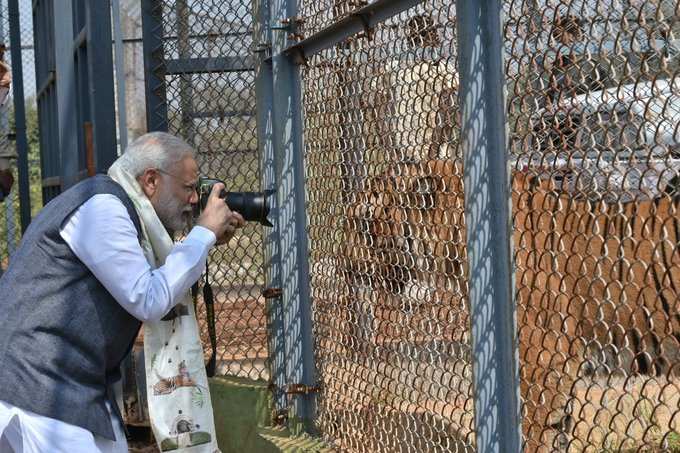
(176, 193)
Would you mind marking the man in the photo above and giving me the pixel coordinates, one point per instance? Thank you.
(79, 286)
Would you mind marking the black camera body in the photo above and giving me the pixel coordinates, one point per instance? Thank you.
(253, 206)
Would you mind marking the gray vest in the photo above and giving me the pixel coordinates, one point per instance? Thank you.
(62, 335)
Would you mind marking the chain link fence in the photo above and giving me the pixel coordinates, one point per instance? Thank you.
(593, 118)
(594, 114)
(208, 78)
(387, 233)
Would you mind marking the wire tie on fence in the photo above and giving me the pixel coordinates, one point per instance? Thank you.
(285, 25)
(263, 47)
(289, 23)
(272, 293)
(368, 31)
(302, 389)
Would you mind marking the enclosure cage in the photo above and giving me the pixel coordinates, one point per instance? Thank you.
(475, 242)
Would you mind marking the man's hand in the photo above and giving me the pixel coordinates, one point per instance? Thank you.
(218, 218)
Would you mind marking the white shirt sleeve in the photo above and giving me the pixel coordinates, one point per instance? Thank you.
(102, 235)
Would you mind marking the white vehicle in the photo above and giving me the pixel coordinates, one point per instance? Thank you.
(620, 144)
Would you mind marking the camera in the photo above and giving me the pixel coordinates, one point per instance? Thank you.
(253, 206)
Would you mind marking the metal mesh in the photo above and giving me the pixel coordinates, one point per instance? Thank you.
(212, 106)
(594, 111)
(387, 235)
(323, 13)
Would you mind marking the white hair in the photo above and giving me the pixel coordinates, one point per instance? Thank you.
(155, 150)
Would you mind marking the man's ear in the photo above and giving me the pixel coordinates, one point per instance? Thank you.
(149, 181)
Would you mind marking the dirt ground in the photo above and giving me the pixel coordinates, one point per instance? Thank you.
(141, 447)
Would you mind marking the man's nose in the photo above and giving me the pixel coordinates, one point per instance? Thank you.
(193, 199)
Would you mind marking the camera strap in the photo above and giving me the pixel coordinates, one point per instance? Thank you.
(212, 333)
(209, 301)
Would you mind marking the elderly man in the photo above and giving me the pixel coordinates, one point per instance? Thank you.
(93, 265)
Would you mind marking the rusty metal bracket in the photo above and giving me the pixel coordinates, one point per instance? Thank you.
(289, 23)
(280, 417)
(264, 47)
(302, 389)
(272, 293)
(363, 17)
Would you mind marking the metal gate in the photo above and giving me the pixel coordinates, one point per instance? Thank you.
(476, 244)
(75, 91)
(200, 84)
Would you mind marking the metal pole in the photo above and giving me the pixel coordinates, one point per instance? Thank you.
(264, 90)
(289, 150)
(100, 74)
(487, 209)
(154, 65)
(19, 114)
(66, 92)
(120, 76)
(10, 231)
(185, 84)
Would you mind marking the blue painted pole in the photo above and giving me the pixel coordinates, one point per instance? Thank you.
(289, 151)
(100, 74)
(487, 210)
(154, 65)
(265, 138)
(67, 96)
(19, 113)
(120, 76)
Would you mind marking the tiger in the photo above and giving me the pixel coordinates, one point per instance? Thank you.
(596, 282)
(165, 386)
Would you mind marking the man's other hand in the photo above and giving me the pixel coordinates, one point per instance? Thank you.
(218, 218)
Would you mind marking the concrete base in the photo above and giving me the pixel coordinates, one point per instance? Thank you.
(243, 410)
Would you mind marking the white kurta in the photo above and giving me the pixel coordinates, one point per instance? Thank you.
(180, 409)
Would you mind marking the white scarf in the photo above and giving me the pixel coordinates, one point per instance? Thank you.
(180, 408)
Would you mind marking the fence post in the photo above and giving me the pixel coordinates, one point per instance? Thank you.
(292, 221)
(487, 209)
(154, 65)
(120, 76)
(67, 95)
(19, 113)
(272, 251)
(100, 72)
(186, 91)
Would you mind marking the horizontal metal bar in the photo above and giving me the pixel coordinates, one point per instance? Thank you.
(220, 114)
(230, 152)
(51, 77)
(55, 181)
(209, 65)
(52, 181)
(211, 35)
(167, 38)
(363, 19)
